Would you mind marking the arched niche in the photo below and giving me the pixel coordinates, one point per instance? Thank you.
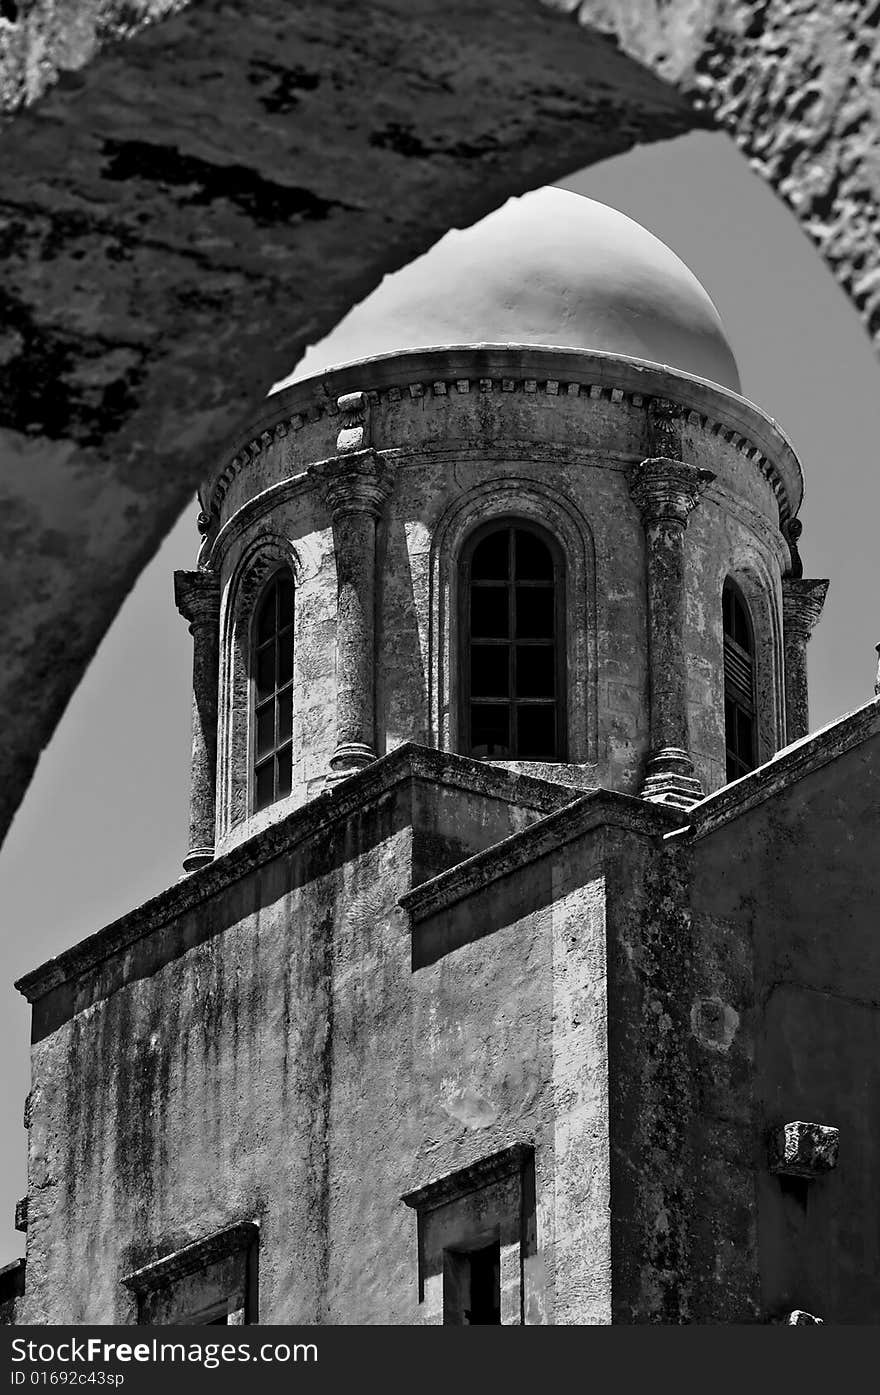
(511, 499)
(266, 556)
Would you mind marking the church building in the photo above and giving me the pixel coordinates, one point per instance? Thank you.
(525, 967)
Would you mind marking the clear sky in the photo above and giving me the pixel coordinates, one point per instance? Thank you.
(104, 823)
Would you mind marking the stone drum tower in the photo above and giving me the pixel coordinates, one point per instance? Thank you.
(505, 829)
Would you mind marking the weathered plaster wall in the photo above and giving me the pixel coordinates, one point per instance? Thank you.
(243, 1058)
(472, 435)
(183, 211)
(641, 1002)
(786, 1025)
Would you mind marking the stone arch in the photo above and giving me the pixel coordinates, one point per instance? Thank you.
(266, 555)
(535, 503)
(148, 290)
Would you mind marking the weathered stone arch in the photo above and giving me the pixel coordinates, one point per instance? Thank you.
(188, 204)
(515, 497)
(530, 501)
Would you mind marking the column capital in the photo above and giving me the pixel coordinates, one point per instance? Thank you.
(666, 491)
(802, 602)
(197, 597)
(357, 482)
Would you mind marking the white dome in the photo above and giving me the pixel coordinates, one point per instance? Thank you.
(551, 268)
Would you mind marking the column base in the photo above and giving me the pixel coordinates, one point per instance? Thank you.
(196, 858)
(670, 779)
(348, 760)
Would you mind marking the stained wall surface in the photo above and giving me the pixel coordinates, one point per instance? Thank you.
(440, 961)
(784, 900)
(248, 1056)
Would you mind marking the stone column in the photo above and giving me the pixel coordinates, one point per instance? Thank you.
(802, 602)
(197, 596)
(355, 487)
(665, 491)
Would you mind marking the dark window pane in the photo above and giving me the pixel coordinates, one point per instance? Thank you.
(490, 670)
(741, 631)
(285, 600)
(285, 769)
(266, 617)
(745, 736)
(535, 670)
(533, 558)
(485, 1277)
(490, 730)
(265, 671)
(489, 612)
(285, 716)
(285, 657)
(536, 733)
(490, 559)
(273, 676)
(265, 739)
(535, 612)
(735, 618)
(265, 792)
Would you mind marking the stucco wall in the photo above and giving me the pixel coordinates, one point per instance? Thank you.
(243, 1060)
(784, 900)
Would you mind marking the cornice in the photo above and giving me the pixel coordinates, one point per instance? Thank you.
(516, 368)
(793, 763)
(596, 809)
(192, 1259)
(333, 807)
(498, 1167)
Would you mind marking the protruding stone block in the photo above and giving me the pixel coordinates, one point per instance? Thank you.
(21, 1214)
(801, 1149)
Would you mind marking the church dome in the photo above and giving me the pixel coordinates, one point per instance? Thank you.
(551, 268)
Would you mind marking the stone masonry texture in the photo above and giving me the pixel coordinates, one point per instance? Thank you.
(192, 193)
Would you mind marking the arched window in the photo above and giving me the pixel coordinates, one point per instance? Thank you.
(513, 652)
(740, 724)
(272, 688)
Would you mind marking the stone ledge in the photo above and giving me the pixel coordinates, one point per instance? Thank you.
(599, 808)
(191, 1258)
(496, 1167)
(407, 762)
(793, 763)
(520, 368)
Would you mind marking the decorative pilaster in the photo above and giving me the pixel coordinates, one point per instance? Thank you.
(802, 602)
(355, 485)
(197, 596)
(666, 491)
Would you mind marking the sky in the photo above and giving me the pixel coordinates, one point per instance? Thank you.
(104, 823)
